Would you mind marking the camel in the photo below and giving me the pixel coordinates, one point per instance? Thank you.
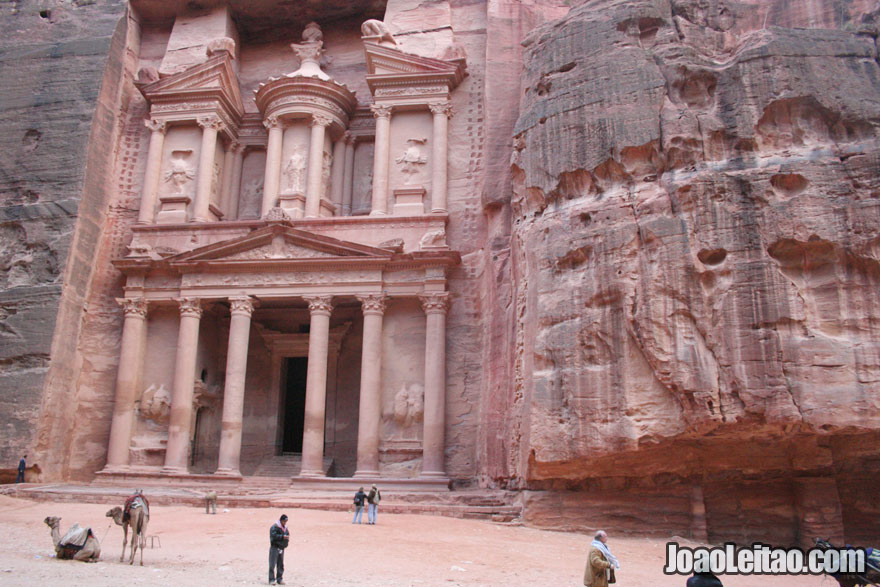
(138, 518)
(78, 544)
(871, 576)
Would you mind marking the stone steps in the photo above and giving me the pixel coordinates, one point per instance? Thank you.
(286, 465)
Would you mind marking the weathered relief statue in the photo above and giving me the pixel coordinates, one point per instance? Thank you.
(412, 161)
(180, 173)
(326, 166)
(409, 408)
(156, 403)
(377, 28)
(295, 170)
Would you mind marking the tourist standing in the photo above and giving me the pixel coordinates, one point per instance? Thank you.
(22, 465)
(600, 563)
(373, 499)
(704, 580)
(359, 498)
(279, 538)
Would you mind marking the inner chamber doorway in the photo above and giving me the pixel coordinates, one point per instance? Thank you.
(294, 403)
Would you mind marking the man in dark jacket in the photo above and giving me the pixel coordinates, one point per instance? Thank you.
(704, 580)
(21, 467)
(279, 537)
(359, 498)
(373, 504)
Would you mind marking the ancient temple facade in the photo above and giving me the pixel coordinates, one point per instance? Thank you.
(286, 282)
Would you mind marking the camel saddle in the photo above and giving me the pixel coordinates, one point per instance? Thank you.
(74, 540)
(135, 501)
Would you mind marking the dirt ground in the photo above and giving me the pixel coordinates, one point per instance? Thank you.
(231, 548)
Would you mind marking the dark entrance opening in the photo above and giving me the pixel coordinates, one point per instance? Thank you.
(294, 403)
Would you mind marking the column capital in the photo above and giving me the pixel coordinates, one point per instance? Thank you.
(321, 120)
(441, 108)
(191, 307)
(273, 122)
(156, 125)
(133, 307)
(435, 303)
(236, 147)
(381, 110)
(319, 304)
(349, 138)
(212, 121)
(372, 303)
(241, 305)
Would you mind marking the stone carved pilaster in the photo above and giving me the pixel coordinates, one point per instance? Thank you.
(156, 125)
(321, 120)
(373, 303)
(320, 304)
(133, 307)
(381, 111)
(442, 108)
(435, 303)
(190, 307)
(272, 122)
(241, 305)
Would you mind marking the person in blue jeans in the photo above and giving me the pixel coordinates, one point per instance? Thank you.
(359, 498)
(21, 467)
(372, 503)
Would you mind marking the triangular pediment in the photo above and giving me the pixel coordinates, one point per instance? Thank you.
(214, 75)
(388, 62)
(279, 242)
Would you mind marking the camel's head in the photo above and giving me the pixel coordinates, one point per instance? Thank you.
(115, 513)
(52, 521)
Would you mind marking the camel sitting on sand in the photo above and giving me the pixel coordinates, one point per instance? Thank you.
(78, 544)
(138, 518)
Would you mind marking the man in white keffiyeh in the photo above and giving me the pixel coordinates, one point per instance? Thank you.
(600, 562)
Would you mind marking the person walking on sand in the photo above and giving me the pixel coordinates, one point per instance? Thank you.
(22, 465)
(359, 498)
(279, 538)
(600, 563)
(373, 499)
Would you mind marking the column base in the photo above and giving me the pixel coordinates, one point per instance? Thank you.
(174, 471)
(366, 473)
(439, 211)
(111, 469)
(227, 473)
(312, 473)
(378, 213)
(432, 475)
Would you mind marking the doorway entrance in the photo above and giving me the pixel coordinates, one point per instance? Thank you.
(294, 409)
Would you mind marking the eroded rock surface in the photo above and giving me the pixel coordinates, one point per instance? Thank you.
(695, 238)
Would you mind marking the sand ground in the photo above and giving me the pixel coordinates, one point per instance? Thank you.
(231, 548)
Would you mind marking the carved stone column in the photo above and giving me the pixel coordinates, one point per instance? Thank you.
(442, 112)
(127, 382)
(177, 449)
(234, 192)
(272, 178)
(147, 213)
(316, 165)
(370, 406)
(433, 441)
(320, 308)
(233, 395)
(226, 180)
(338, 174)
(201, 207)
(381, 157)
(348, 175)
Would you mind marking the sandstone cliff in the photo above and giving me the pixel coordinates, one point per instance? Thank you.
(696, 263)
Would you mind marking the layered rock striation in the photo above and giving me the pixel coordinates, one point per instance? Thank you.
(696, 266)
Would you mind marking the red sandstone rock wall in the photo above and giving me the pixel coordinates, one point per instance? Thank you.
(696, 261)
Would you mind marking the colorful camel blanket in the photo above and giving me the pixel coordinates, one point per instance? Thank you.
(135, 501)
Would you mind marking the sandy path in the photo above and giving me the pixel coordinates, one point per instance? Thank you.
(231, 548)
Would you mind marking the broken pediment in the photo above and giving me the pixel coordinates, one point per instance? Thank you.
(389, 66)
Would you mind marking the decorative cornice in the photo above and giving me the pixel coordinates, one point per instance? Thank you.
(381, 111)
(441, 108)
(213, 122)
(435, 303)
(241, 305)
(321, 120)
(190, 307)
(320, 304)
(133, 307)
(373, 303)
(156, 125)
